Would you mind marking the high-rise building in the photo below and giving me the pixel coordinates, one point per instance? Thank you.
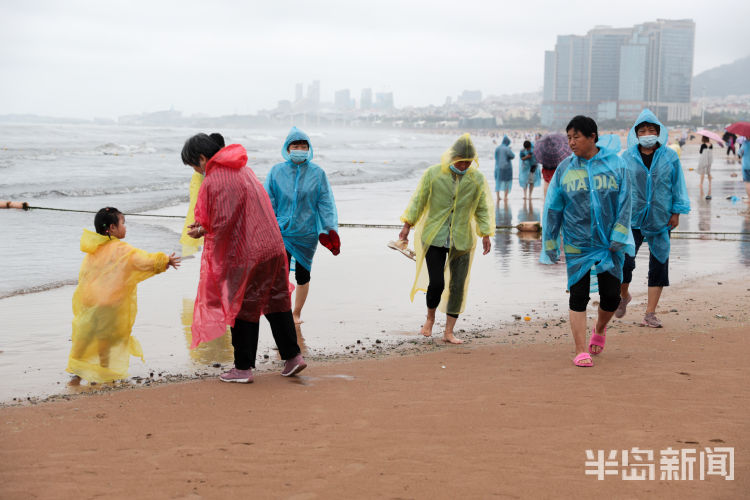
(384, 100)
(342, 99)
(470, 97)
(365, 101)
(615, 72)
(298, 92)
(313, 93)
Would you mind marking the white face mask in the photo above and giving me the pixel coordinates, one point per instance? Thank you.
(648, 141)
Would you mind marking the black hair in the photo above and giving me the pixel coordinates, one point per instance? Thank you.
(218, 139)
(526, 144)
(584, 125)
(105, 218)
(199, 144)
(298, 143)
(704, 139)
(643, 124)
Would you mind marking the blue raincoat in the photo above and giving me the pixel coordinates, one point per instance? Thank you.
(745, 149)
(657, 192)
(302, 200)
(524, 169)
(595, 223)
(503, 166)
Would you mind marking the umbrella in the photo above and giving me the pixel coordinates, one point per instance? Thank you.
(711, 135)
(551, 149)
(740, 128)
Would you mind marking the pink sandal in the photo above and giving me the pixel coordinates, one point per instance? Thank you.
(578, 360)
(597, 340)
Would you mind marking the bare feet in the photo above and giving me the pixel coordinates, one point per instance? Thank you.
(449, 338)
(427, 327)
(75, 381)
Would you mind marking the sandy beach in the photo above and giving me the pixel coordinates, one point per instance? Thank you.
(492, 418)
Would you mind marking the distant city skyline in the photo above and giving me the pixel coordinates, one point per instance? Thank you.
(613, 73)
(83, 58)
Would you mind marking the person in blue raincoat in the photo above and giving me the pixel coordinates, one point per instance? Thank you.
(503, 168)
(588, 204)
(529, 173)
(659, 196)
(305, 210)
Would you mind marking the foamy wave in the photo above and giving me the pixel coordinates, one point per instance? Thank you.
(100, 191)
(37, 289)
(111, 148)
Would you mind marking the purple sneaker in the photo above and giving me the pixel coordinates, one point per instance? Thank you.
(294, 366)
(623, 307)
(650, 320)
(238, 376)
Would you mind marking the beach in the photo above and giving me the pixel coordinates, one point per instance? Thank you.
(381, 411)
(500, 416)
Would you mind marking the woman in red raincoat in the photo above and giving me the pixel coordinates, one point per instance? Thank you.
(244, 269)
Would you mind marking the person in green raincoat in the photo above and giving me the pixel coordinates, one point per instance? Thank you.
(450, 208)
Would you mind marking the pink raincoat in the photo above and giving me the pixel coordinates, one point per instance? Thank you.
(244, 269)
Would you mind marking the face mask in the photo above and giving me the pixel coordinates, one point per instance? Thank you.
(647, 141)
(298, 156)
(455, 170)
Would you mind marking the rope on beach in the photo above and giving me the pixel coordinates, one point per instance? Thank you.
(681, 234)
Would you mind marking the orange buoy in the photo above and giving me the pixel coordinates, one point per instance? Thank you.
(21, 205)
(529, 226)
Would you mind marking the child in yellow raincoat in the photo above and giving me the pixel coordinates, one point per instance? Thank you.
(451, 206)
(105, 302)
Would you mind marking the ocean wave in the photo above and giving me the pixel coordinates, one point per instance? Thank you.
(114, 149)
(36, 289)
(98, 191)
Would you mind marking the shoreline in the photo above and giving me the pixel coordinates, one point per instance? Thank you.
(549, 325)
(502, 418)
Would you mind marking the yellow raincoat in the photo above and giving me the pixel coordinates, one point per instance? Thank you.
(441, 193)
(191, 245)
(105, 304)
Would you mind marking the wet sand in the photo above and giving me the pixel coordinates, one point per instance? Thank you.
(505, 415)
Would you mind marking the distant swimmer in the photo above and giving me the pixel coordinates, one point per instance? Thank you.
(451, 206)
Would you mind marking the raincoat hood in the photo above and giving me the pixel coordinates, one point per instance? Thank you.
(506, 141)
(462, 150)
(296, 134)
(91, 241)
(233, 156)
(647, 116)
(608, 145)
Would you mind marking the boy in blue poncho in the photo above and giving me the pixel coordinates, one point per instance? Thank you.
(528, 171)
(305, 210)
(588, 203)
(503, 168)
(659, 196)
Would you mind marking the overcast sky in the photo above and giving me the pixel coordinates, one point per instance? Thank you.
(108, 58)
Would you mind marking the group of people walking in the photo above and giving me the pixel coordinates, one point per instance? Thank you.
(600, 207)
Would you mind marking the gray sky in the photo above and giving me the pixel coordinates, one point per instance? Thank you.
(109, 58)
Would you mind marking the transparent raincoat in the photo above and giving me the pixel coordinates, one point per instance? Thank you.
(191, 245)
(595, 223)
(524, 169)
(244, 270)
(450, 210)
(105, 304)
(657, 192)
(302, 200)
(504, 166)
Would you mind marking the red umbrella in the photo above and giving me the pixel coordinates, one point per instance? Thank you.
(710, 135)
(740, 128)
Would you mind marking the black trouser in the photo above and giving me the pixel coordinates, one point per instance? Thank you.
(609, 292)
(245, 339)
(658, 273)
(301, 275)
(459, 267)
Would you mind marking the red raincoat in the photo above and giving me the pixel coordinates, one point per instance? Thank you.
(244, 270)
